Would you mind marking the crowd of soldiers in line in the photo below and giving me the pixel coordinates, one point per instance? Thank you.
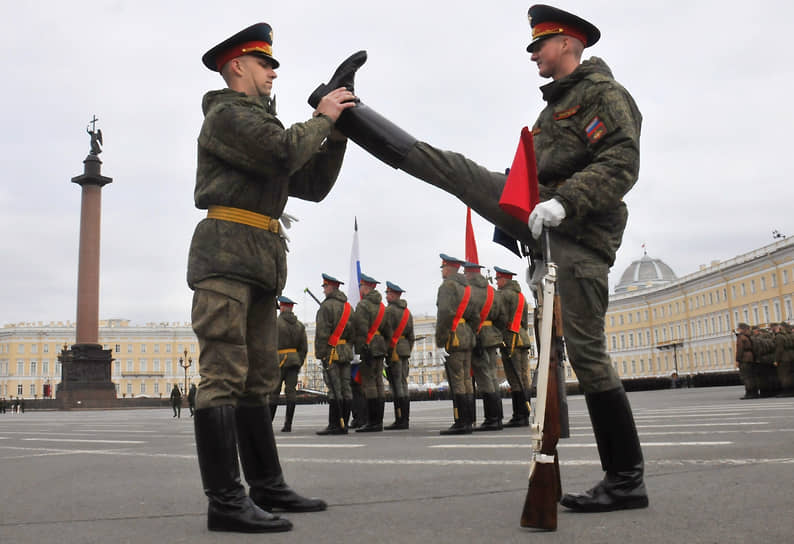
(13, 405)
(358, 347)
(765, 358)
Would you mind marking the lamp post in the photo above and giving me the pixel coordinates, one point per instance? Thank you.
(185, 363)
(674, 345)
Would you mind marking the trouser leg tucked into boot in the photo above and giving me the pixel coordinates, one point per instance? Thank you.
(619, 448)
(230, 509)
(491, 409)
(261, 465)
(374, 416)
(333, 420)
(520, 412)
(287, 428)
(400, 415)
(462, 424)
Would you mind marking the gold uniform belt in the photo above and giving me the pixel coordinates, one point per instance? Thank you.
(245, 217)
(288, 350)
(487, 323)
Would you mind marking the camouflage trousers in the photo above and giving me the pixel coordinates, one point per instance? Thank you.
(516, 366)
(483, 365)
(398, 377)
(458, 368)
(288, 379)
(337, 378)
(582, 274)
(235, 324)
(372, 377)
(785, 375)
(747, 373)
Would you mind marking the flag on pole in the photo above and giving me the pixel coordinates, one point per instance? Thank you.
(471, 243)
(355, 269)
(520, 194)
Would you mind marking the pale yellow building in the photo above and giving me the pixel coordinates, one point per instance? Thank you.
(657, 323)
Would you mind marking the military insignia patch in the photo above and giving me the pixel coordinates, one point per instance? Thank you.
(595, 129)
(565, 114)
(536, 131)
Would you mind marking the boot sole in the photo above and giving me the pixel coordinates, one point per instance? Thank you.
(600, 508)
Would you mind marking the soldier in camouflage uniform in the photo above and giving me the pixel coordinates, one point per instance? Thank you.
(487, 339)
(744, 361)
(371, 333)
(587, 150)
(400, 321)
(292, 349)
(455, 337)
(334, 318)
(248, 165)
(513, 322)
(783, 359)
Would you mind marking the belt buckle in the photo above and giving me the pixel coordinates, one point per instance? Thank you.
(273, 225)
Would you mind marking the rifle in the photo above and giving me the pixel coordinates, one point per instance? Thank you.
(327, 370)
(545, 490)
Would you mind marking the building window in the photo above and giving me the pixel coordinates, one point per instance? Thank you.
(631, 340)
(143, 348)
(711, 298)
(744, 291)
(788, 309)
(156, 365)
(45, 368)
(785, 277)
(642, 365)
(777, 310)
(143, 388)
(21, 348)
(142, 365)
(624, 367)
(614, 343)
(192, 348)
(168, 348)
(130, 368)
(630, 317)
(763, 283)
(33, 390)
(117, 368)
(117, 348)
(57, 368)
(129, 350)
(746, 315)
(156, 387)
(45, 348)
(129, 388)
(33, 368)
(157, 348)
(20, 368)
(34, 348)
(766, 313)
(755, 315)
(622, 341)
(752, 286)
(773, 278)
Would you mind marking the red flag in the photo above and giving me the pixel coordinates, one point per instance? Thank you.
(520, 194)
(471, 243)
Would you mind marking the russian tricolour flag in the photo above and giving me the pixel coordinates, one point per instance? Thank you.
(355, 269)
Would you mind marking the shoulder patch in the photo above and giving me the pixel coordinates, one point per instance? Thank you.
(565, 114)
(595, 129)
(536, 131)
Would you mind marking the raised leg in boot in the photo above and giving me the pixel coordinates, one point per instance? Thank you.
(230, 509)
(259, 457)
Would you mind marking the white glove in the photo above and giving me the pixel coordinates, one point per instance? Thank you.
(444, 353)
(546, 214)
(287, 220)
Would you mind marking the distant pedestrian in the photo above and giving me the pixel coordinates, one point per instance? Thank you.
(176, 401)
(191, 398)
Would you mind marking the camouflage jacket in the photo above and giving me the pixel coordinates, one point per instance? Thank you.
(394, 314)
(328, 317)
(587, 144)
(291, 335)
(508, 303)
(247, 160)
(744, 348)
(449, 297)
(366, 311)
(489, 336)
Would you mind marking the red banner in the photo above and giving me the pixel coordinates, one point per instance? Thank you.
(520, 194)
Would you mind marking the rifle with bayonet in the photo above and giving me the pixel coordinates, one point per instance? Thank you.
(545, 490)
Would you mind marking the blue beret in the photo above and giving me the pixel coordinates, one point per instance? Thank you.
(450, 260)
(503, 271)
(368, 279)
(326, 277)
(286, 300)
(468, 264)
(394, 287)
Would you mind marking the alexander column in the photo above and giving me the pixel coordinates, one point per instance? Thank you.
(85, 367)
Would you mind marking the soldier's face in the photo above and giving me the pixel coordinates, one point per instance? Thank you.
(392, 296)
(501, 282)
(260, 75)
(547, 55)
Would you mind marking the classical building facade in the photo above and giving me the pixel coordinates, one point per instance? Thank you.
(658, 323)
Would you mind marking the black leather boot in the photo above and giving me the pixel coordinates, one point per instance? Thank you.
(273, 408)
(374, 417)
(230, 509)
(400, 415)
(520, 413)
(259, 457)
(462, 424)
(619, 448)
(491, 409)
(333, 420)
(287, 428)
(344, 76)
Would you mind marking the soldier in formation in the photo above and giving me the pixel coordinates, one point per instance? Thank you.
(400, 321)
(292, 349)
(765, 356)
(371, 332)
(333, 341)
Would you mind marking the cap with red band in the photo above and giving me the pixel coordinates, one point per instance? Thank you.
(255, 40)
(550, 21)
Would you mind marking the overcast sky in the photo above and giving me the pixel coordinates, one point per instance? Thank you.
(713, 80)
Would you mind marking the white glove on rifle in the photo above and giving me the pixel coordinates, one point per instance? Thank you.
(546, 214)
(286, 222)
(444, 353)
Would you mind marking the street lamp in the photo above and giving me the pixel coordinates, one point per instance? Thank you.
(674, 345)
(185, 363)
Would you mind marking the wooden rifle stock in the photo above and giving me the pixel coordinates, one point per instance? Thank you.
(545, 490)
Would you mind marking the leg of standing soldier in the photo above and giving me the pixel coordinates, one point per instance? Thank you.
(290, 377)
(582, 284)
(219, 315)
(372, 381)
(458, 365)
(257, 442)
(405, 406)
(484, 376)
(394, 373)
